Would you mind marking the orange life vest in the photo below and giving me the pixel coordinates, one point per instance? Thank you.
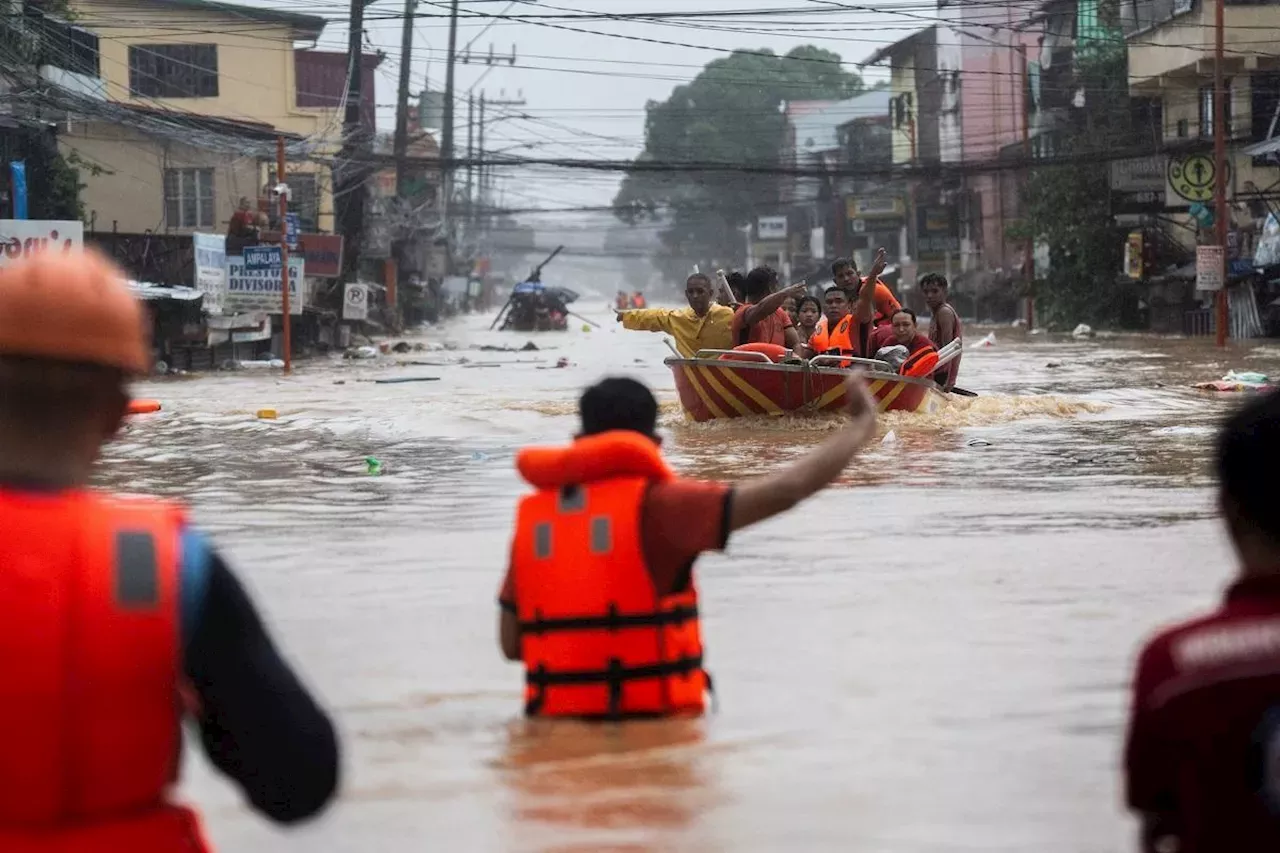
(89, 636)
(838, 342)
(596, 639)
(920, 363)
(638, 301)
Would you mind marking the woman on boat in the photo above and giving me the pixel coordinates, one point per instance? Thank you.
(902, 331)
(806, 318)
(789, 306)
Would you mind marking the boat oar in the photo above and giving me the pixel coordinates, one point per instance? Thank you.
(583, 319)
(505, 306)
(963, 392)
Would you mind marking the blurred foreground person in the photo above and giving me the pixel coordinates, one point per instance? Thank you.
(599, 601)
(703, 325)
(114, 612)
(1203, 754)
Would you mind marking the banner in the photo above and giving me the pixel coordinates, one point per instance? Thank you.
(323, 252)
(210, 270)
(259, 290)
(22, 237)
(355, 302)
(18, 171)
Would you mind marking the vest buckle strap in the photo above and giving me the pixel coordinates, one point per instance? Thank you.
(542, 678)
(612, 621)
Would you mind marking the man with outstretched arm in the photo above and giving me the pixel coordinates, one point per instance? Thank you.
(599, 600)
(702, 325)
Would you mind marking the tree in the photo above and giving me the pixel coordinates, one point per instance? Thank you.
(730, 113)
(1068, 207)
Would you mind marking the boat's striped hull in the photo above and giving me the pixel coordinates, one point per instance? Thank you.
(710, 389)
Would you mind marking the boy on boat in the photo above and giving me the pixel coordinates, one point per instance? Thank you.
(844, 273)
(115, 613)
(1202, 762)
(702, 325)
(944, 325)
(599, 600)
(761, 319)
(850, 326)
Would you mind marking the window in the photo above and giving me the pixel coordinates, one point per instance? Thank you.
(64, 46)
(188, 198)
(1265, 96)
(173, 71)
(1206, 109)
(1182, 128)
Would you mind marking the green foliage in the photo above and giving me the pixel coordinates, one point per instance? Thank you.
(729, 113)
(53, 184)
(1068, 208)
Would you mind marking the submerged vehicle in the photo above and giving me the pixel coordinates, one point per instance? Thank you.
(717, 384)
(534, 307)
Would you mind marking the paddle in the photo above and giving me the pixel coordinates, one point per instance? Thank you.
(583, 319)
(963, 392)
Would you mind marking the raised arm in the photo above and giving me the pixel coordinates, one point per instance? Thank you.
(772, 302)
(864, 310)
(725, 296)
(646, 319)
(763, 497)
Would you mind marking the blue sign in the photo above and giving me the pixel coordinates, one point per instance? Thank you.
(1241, 267)
(291, 228)
(18, 169)
(263, 258)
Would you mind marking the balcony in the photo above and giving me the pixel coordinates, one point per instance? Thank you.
(1160, 48)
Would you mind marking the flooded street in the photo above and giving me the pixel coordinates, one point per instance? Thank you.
(931, 656)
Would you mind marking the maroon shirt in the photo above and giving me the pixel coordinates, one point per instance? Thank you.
(1205, 726)
(883, 336)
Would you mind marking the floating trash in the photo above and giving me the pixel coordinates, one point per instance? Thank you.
(373, 464)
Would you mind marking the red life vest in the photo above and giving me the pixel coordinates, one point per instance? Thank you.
(596, 639)
(89, 637)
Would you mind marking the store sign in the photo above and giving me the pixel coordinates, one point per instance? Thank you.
(322, 251)
(771, 228)
(22, 238)
(1133, 255)
(937, 231)
(1138, 184)
(262, 258)
(874, 208)
(210, 270)
(1209, 267)
(250, 289)
(1193, 179)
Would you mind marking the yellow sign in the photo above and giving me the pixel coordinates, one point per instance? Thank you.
(1133, 255)
(1192, 177)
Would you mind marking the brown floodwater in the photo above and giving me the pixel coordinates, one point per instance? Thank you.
(930, 656)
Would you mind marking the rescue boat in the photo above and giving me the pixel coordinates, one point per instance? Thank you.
(717, 384)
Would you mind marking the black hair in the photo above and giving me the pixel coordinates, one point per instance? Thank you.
(905, 310)
(698, 277)
(807, 299)
(618, 403)
(737, 283)
(1248, 462)
(933, 278)
(835, 288)
(840, 263)
(760, 282)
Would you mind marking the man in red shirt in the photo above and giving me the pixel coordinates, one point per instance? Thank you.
(761, 319)
(903, 331)
(1203, 754)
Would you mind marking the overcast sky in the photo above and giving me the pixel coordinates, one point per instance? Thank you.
(584, 87)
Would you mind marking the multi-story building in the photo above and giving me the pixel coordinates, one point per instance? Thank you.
(174, 106)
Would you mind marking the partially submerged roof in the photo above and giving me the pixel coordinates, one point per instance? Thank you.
(305, 27)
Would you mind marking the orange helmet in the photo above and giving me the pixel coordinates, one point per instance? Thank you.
(72, 307)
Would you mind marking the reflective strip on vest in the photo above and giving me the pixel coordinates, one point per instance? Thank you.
(601, 535)
(137, 571)
(542, 540)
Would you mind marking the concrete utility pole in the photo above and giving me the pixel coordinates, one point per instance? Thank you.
(471, 156)
(486, 175)
(402, 99)
(1220, 168)
(446, 133)
(349, 180)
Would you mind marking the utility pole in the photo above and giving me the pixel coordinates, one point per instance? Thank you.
(1220, 168)
(402, 100)
(480, 170)
(287, 320)
(349, 180)
(471, 156)
(1028, 252)
(486, 174)
(446, 142)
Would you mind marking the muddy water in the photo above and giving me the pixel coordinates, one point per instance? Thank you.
(931, 656)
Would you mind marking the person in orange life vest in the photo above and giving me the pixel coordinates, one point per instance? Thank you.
(1201, 766)
(807, 313)
(599, 601)
(621, 302)
(851, 326)
(761, 320)
(114, 612)
(944, 325)
(845, 274)
(903, 331)
(637, 300)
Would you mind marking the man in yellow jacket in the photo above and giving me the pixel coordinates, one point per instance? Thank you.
(703, 325)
